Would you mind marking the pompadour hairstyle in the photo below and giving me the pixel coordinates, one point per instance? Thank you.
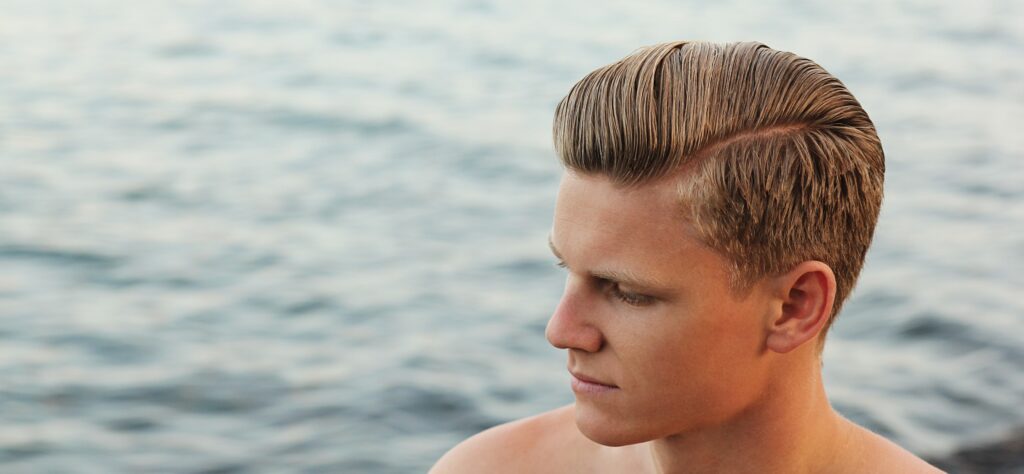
(777, 162)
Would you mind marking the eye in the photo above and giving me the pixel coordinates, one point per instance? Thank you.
(561, 264)
(632, 299)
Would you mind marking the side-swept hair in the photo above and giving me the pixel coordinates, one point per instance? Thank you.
(778, 162)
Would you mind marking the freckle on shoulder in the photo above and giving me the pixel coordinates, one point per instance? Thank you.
(517, 446)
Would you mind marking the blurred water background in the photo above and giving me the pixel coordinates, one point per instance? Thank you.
(309, 236)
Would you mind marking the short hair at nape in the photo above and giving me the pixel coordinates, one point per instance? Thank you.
(777, 161)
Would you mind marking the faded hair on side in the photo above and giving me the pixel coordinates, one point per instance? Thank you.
(778, 162)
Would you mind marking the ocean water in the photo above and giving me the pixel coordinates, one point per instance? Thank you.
(310, 236)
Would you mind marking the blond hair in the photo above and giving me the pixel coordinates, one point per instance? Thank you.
(780, 163)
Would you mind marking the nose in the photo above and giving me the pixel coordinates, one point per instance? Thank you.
(569, 326)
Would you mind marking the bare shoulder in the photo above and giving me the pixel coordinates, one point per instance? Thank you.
(548, 442)
(880, 455)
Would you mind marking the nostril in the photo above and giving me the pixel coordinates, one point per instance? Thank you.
(572, 325)
(559, 328)
(570, 333)
(557, 333)
(554, 333)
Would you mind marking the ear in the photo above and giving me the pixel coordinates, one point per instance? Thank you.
(804, 301)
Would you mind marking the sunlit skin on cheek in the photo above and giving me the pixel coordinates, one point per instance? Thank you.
(647, 309)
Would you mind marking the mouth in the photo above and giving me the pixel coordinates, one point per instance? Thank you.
(583, 384)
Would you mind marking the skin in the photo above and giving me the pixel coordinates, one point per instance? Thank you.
(693, 377)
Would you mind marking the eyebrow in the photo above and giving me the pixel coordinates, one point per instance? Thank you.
(625, 277)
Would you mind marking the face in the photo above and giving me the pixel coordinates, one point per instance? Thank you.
(648, 315)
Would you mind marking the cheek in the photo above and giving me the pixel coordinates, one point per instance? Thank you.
(660, 358)
(705, 361)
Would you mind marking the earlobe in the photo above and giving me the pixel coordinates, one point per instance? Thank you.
(806, 294)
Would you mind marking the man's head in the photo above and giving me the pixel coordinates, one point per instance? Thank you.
(718, 204)
(776, 161)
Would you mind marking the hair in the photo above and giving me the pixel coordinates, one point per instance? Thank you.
(778, 163)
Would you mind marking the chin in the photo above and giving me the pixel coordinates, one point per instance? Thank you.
(605, 429)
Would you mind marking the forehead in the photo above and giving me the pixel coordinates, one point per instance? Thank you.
(595, 201)
(640, 229)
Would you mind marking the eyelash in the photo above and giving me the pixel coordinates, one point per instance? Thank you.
(632, 299)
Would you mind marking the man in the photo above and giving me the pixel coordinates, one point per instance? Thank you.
(716, 208)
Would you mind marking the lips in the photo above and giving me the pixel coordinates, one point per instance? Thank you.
(586, 385)
(591, 380)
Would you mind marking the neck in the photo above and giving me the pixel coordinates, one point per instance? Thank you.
(791, 427)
